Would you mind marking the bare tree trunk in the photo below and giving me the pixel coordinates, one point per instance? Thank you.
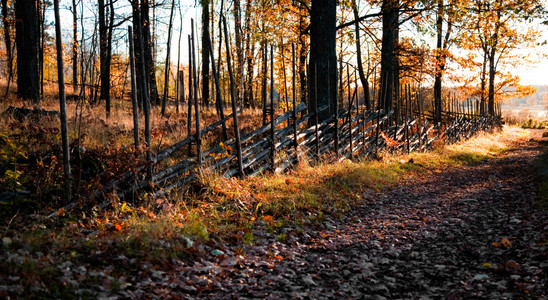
(492, 74)
(363, 78)
(105, 49)
(62, 104)
(389, 27)
(168, 52)
(7, 41)
(180, 78)
(134, 103)
(323, 58)
(26, 40)
(149, 54)
(205, 54)
(303, 51)
(239, 52)
(41, 46)
(74, 46)
(249, 49)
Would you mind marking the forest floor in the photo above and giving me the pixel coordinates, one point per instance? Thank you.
(475, 230)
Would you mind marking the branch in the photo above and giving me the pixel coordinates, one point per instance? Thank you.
(358, 20)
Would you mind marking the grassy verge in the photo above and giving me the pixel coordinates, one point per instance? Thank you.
(225, 211)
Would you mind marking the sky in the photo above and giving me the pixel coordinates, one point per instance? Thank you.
(536, 74)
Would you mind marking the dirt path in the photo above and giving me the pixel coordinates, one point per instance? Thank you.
(466, 232)
(439, 236)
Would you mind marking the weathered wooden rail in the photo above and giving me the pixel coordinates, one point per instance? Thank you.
(351, 135)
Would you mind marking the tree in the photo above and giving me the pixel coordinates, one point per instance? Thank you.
(442, 44)
(74, 46)
(390, 24)
(26, 40)
(168, 51)
(7, 41)
(323, 58)
(239, 51)
(106, 24)
(205, 54)
(62, 104)
(146, 54)
(497, 28)
(363, 78)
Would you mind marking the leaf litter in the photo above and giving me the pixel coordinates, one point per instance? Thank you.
(473, 231)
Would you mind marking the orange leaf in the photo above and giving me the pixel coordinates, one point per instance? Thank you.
(505, 243)
(61, 212)
(279, 257)
(118, 227)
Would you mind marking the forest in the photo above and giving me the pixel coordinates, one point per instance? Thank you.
(143, 138)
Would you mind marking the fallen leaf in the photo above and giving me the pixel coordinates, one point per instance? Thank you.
(505, 243)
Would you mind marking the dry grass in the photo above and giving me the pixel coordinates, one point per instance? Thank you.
(227, 205)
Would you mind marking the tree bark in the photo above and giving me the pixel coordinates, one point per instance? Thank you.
(106, 25)
(363, 78)
(205, 54)
(239, 52)
(492, 74)
(323, 58)
(439, 63)
(390, 12)
(74, 46)
(62, 102)
(26, 40)
(303, 52)
(148, 54)
(7, 41)
(249, 53)
(168, 52)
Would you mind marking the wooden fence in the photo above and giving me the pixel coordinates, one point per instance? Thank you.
(281, 143)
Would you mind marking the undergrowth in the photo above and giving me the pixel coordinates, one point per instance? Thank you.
(223, 209)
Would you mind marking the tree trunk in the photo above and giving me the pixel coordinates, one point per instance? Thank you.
(7, 41)
(74, 46)
(168, 51)
(492, 74)
(439, 67)
(62, 104)
(26, 40)
(482, 86)
(148, 54)
(249, 52)
(363, 78)
(303, 51)
(239, 52)
(323, 58)
(105, 49)
(389, 27)
(205, 54)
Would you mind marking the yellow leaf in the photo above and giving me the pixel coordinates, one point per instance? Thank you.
(125, 207)
(487, 265)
